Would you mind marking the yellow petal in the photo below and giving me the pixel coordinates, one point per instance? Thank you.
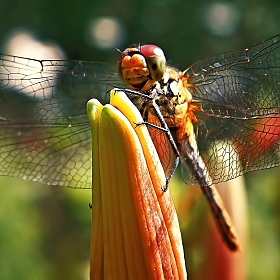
(135, 228)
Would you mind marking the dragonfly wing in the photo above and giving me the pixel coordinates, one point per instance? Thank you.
(44, 130)
(238, 97)
(232, 147)
(54, 155)
(245, 81)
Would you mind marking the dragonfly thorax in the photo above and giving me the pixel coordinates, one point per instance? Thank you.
(173, 98)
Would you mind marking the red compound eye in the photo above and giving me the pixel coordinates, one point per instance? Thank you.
(151, 51)
(155, 59)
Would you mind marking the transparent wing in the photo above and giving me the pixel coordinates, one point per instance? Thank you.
(238, 99)
(44, 131)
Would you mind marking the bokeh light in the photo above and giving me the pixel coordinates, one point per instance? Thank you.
(23, 43)
(106, 32)
(222, 19)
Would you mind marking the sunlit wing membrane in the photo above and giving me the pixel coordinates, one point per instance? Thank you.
(239, 97)
(44, 133)
(45, 136)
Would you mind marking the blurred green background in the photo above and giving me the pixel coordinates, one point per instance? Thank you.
(45, 231)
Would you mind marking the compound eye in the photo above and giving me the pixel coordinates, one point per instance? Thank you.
(155, 59)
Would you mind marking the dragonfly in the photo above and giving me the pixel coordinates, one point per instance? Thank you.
(220, 116)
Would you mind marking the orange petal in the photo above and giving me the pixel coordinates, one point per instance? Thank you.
(135, 228)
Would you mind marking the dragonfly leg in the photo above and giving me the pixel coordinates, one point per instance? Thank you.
(164, 189)
(151, 97)
(173, 169)
(165, 127)
(147, 96)
(151, 125)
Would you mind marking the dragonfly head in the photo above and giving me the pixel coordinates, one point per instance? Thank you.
(141, 67)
